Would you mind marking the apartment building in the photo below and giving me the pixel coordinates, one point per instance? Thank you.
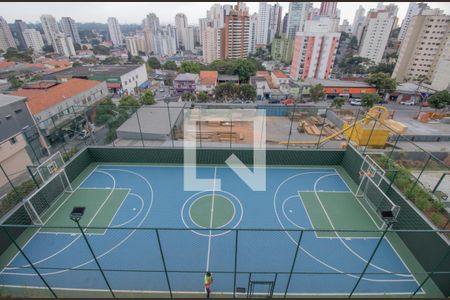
(6, 37)
(114, 32)
(33, 39)
(235, 34)
(424, 50)
(297, 16)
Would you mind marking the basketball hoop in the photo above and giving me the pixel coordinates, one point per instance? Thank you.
(365, 173)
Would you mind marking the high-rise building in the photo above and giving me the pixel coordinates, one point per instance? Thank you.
(131, 45)
(439, 78)
(423, 48)
(64, 45)
(262, 29)
(216, 15)
(414, 9)
(189, 42)
(181, 23)
(297, 17)
(168, 40)
(285, 22)
(69, 27)
(211, 44)
(315, 49)
(328, 9)
(114, 32)
(6, 37)
(252, 33)
(151, 21)
(140, 41)
(282, 48)
(275, 22)
(345, 27)
(377, 28)
(358, 22)
(50, 29)
(33, 39)
(20, 26)
(149, 40)
(197, 37)
(234, 39)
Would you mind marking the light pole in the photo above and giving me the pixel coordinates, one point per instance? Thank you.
(75, 215)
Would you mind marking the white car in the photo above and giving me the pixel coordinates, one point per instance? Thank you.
(356, 102)
(409, 102)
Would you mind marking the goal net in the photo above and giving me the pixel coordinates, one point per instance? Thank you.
(371, 169)
(39, 204)
(376, 199)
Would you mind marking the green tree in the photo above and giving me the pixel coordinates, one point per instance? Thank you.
(355, 65)
(153, 63)
(112, 60)
(14, 82)
(226, 91)
(244, 69)
(439, 99)
(13, 55)
(190, 67)
(382, 68)
(188, 97)
(147, 98)
(76, 64)
(104, 111)
(383, 82)
(203, 96)
(369, 100)
(316, 92)
(170, 65)
(247, 92)
(128, 102)
(338, 102)
(101, 50)
(137, 60)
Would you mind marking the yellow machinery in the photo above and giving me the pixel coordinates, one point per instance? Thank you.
(373, 130)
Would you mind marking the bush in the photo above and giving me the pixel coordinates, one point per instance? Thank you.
(437, 219)
(13, 198)
(67, 155)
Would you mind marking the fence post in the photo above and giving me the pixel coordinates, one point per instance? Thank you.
(140, 129)
(200, 129)
(321, 129)
(292, 121)
(29, 261)
(430, 274)
(392, 180)
(170, 123)
(439, 182)
(421, 172)
(393, 147)
(95, 258)
(235, 262)
(231, 126)
(32, 177)
(10, 182)
(293, 263)
(370, 259)
(371, 132)
(353, 128)
(164, 262)
(31, 146)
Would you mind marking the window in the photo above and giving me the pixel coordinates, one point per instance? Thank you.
(13, 140)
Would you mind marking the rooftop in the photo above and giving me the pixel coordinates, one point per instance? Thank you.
(88, 71)
(8, 99)
(337, 83)
(187, 77)
(41, 99)
(228, 77)
(279, 74)
(208, 77)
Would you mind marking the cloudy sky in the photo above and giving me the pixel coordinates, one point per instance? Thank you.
(134, 12)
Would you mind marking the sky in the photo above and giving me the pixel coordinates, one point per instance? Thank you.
(134, 12)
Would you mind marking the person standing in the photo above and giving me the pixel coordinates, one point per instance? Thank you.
(208, 280)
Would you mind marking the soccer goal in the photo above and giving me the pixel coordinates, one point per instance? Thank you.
(55, 185)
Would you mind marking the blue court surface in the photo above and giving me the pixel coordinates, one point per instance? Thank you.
(154, 198)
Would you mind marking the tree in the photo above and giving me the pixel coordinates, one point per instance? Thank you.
(112, 60)
(369, 100)
(247, 92)
(101, 50)
(316, 92)
(170, 65)
(383, 82)
(190, 67)
(48, 49)
(188, 96)
(104, 111)
(382, 68)
(147, 98)
(226, 91)
(137, 60)
(128, 102)
(203, 96)
(244, 69)
(338, 102)
(355, 65)
(14, 82)
(13, 55)
(439, 99)
(76, 46)
(153, 63)
(76, 64)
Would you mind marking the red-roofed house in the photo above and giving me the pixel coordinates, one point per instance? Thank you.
(279, 78)
(208, 81)
(57, 104)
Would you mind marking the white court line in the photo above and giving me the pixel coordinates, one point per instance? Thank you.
(211, 220)
(38, 231)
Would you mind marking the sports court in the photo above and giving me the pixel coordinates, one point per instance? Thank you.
(228, 231)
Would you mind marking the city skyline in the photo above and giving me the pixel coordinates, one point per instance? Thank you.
(134, 12)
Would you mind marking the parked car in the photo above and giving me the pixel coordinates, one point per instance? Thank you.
(288, 102)
(355, 102)
(407, 102)
(425, 104)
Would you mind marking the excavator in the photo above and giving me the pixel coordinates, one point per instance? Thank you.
(372, 130)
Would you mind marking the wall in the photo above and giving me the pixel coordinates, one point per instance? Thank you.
(134, 79)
